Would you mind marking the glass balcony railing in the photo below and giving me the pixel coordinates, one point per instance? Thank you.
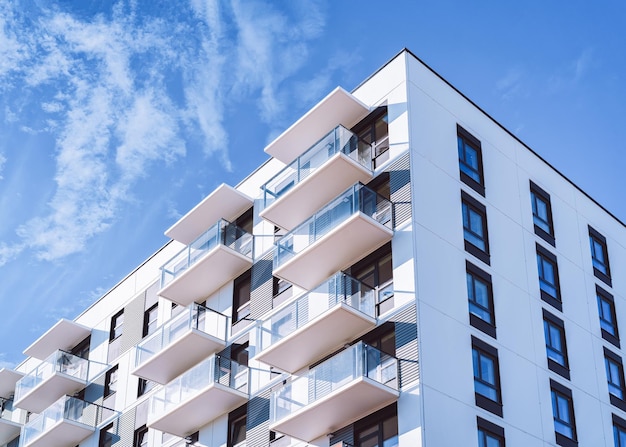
(357, 361)
(196, 317)
(340, 288)
(339, 140)
(69, 409)
(60, 362)
(214, 370)
(222, 233)
(357, 199)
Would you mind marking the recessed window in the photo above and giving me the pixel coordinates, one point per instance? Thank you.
(117, 324)
(141, 437)
(615, 379)
(378, 429)
(480, 300)
(106, 438)
(150, 317)
(556, 348)
(241, 297)
(563, 414)
(145, 386)
(548, 277)
(373, 132)
(619, 431)
(607, 315)
(599, 256)
(489, 434)
(237, 428)
(376, 271)
(475, 227)
(542, 213)
(470, 161)
(110, 381)
(486, 376)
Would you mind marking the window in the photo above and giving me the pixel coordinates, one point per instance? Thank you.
(82, 349)
(237, 427)
(619, 431)
(599, 256)
(106, 436)
(117, 324)
(470, 160)
(378, 429)
(376, 271)
(241, 297)
(141, 437)
(281, 290)
(240, 354)
(615, 379)
(475, 227)
(608, 319)
(556, 348)
(110, 381)
(150, 320)
(480, 299)
(145, 386)
(486, 377)
(489, 434)
(548, 278)
(374, 131)
(563, 413)
(542, 213)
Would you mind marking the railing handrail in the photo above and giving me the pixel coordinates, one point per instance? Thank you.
(295, 165)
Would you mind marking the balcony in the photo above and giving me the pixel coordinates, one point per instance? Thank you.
(9, 429)
(64, 335)
(348, 228)
(337, 392)
(213, 387)
(334, 163)
(8, 379)
(61, 373)
(316, 323)
(225, 202)
(180, 343)
(218, 255)
(67, 422)
(339, 107)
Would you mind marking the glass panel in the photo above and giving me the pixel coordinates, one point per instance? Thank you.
(196, 317)
(223, 232)
(339, 140)
(357, 198)
(340, 288)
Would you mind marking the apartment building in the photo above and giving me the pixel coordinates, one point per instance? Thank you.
(402, 271)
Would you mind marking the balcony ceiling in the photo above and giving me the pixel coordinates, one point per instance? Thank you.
(49, 391)
(8, 430)
(223, 203)
(64, 335)
(8, 379)
(62, 434)
(347, 404)
(339, 107)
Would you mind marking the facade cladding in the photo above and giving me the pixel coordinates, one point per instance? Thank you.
(401, 272)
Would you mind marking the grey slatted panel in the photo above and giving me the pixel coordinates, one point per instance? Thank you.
(95, 390)
(406, 345)
(345, 434)
(400, 186)
(257, 421)
(261, 286)
(125, 430)
(132, 333)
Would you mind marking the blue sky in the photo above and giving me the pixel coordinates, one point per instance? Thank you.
(116, 117)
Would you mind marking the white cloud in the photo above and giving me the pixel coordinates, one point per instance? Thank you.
(3, 161)
(9, 252)
(573, 73)
(511, 85)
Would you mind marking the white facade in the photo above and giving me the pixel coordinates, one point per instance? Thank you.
(304, 351)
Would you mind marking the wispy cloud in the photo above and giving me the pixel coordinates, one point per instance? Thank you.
(573, 72)
(104, 91)
(511, 84)
(3, 161)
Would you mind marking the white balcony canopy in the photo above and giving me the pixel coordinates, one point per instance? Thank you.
(64, 336)
(339, 107)
(8, 379)
(223, 203)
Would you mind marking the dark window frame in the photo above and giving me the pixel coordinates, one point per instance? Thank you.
(366, 130)
(476, 321)
(144, 386)
(491, 429)
(547, 256)
(478, 208)
(553, 365)
(110, 387)
(117, 326)
(466, 139)
(537, 193)
(595, 236)
(235, 420)
(147, 314)
(241, 309)
(106, 437)
(604, 296)
(485, 350)
(383, 287)
(556, 389)
(619, 424)
(611, 357)
(376, 419)
(138, 436)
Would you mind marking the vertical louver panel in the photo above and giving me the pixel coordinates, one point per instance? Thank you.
(400, 187)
